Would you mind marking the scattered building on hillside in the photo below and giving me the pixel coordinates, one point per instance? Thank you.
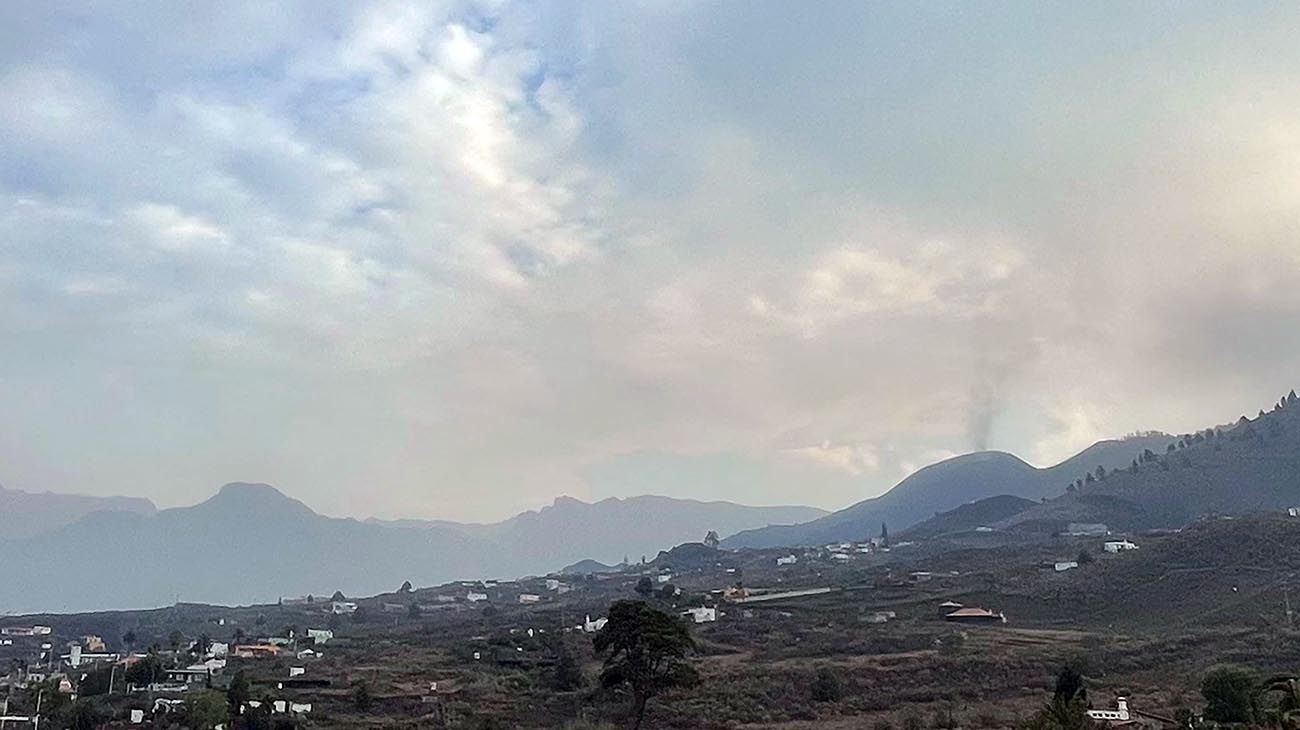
(256, 651)
(1061, 566)
(920, 576)
(474, 597)
(219, 649)
(165, 705)
(1119, 714)
(1087, 529)
(591, 627)
(1118, 546)
(879, 617)
(735, 593)
(950, 605)
(343, 607)
(26, 631)
(90, 642)
(976, 616)
(701, 615)
(77, 657)
(841, 557)
(787, 560)
(529, 598)
(320, 636)
(1293, 511)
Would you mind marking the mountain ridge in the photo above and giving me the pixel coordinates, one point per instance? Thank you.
(944, 486)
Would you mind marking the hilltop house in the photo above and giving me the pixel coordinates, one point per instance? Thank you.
(342, 607)
(1117, 546)
(976, 616)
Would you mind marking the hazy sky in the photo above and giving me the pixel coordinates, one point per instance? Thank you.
(454, 260)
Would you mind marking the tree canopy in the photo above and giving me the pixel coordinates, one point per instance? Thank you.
(1229, 693)
(645, 649)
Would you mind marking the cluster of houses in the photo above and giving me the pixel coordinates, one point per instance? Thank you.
(167, 687)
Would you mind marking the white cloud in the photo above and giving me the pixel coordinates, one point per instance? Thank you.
(460, 250)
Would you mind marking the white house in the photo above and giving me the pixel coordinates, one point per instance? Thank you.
(592, 627)
(343, 607)
(701, 615)
(1117, 546)
(787, 560)
(320, 636)
(219, 649)
(1119, 714)
(26, 631)
(297, 671)
(473, 597)
(529, 598)
(842, 557)
(1063, 565)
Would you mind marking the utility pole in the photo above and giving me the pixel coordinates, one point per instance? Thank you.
(36, 721)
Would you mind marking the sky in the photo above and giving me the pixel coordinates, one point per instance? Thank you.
(453, 260)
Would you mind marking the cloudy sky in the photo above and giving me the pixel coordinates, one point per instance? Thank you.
(454, 260)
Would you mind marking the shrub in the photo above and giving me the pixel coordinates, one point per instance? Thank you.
(827, 686)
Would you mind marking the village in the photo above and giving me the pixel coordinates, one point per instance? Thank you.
(440, 654)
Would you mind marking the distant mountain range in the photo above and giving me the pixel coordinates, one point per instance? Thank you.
(251, 543)
(24, 514)
(944, 486)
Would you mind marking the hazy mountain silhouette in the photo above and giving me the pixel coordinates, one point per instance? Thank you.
(944, 486)
(616, 527)
(24, 514)
(251, 543)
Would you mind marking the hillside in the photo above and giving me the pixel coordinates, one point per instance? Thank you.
(944, 486)
(970, 516)
(24, 514)
(1253, 465)
(1217, 571)
(251, 543)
